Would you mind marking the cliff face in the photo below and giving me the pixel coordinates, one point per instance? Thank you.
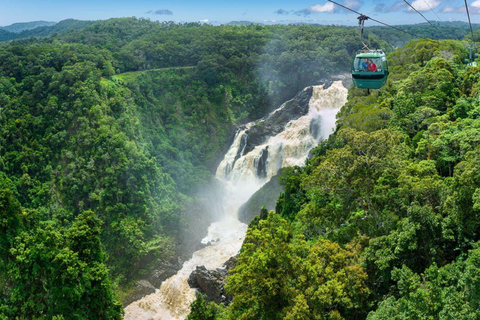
(267, 196)
(276, 121)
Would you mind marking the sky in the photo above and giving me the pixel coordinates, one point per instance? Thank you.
(218, 12)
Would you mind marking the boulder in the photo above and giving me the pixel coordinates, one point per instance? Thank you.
(211, 283)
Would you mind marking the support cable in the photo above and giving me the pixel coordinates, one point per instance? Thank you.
(422, 14)
(431, 9)
(385, 24)
(469, 22)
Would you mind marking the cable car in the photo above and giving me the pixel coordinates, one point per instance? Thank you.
(373, 77)
(471, 56)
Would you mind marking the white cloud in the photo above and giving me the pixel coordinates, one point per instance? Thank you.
(327, 7)
(473, 8)
(424, 5)
(397, 6)
(204, 21)
(448, 9)
(352, 4)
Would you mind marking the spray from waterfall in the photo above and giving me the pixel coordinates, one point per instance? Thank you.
(244, 170)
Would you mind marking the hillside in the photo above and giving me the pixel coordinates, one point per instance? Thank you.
(382, 222)
(440, 30)
(40, 29)
(22, 26)
(110, 132)
(108, 139)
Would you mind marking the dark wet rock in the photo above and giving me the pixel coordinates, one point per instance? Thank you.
(211, 282)
(231, 263)
(241, 148)
(261, 163)
(326, 83)
(162, 271)
(141, 289)
(276, 121)
(345, 78)
(316, 128)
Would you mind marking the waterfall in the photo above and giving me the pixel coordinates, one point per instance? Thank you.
(245, 169)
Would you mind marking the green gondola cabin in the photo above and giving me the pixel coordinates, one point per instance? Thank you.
(370, 78)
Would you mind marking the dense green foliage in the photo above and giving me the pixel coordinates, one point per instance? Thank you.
(108, 133)
(280, 276)
(48, 271)
(394, 194)
(203, 310)
(272, 62)
(441, 30)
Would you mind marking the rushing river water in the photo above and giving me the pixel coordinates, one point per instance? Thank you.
(239, 174)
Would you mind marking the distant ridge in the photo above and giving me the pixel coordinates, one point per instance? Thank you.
(22, 26)
(45, 30)
(243, 23)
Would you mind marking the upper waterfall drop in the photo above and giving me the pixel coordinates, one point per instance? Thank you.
(260, 148)
(288, 147)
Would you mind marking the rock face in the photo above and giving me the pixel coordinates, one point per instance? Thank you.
(267, 196)
(211, 282)
(163, 271)
(346, 79)
(275, 122)
(142, 288)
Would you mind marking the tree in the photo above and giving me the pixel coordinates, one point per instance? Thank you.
(449, 292)
(279, 276)
(200, 309)
(11, 222)
(47, 278)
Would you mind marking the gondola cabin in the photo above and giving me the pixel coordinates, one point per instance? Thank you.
(370, 69)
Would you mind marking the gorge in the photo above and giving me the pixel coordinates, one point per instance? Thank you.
(112, 136)
(259, 150)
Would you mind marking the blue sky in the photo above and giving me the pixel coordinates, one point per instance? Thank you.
(217, 11)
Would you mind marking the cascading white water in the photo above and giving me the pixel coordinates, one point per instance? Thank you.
(289, 147)
(238, 172)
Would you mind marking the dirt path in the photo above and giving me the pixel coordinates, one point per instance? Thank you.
(154, 69)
